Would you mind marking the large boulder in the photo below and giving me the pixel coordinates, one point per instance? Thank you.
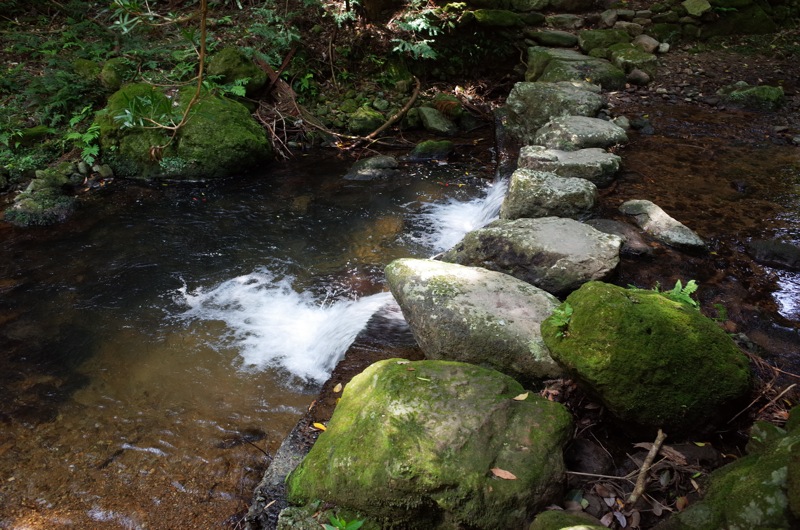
(651, 360)
(571, 133)
(656, 222)
(594, 164)
(436, 122)
(231, 65)
(592, 39)
(219, 139)
(544, 194)
(628, 57)
(531, 105)
(474, 315)
(374, 167)
(762, 97)
(560, 65)
(427, 445)
(760, 490)
(554, 254)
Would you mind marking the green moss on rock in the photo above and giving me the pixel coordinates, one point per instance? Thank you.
(497, 18)
(115, 72)
(233, 65)
(652, 361)
(590, 39)
(562, 520)
(412, 445)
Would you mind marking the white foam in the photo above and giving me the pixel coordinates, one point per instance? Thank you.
(273, 325)
(446, 223)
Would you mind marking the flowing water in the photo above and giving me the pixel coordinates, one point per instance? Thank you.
(157, 345)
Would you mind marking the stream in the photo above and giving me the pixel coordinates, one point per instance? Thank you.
(157, 345)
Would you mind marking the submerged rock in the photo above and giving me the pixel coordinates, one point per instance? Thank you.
(375, 167)
(544, 194)
(775, 254)
(651, 360)
(655, 221)
(554, 254)
(759, 97)
(427, 444)
(431, 150)
(474, 315)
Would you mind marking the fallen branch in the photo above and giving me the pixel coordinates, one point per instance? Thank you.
(641, 480)
(391, 121)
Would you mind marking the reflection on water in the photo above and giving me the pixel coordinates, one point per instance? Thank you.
(148, 345)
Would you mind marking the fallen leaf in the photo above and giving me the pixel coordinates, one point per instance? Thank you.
(502, 473)
(411, 369)
(319, 426)
(636, 519)
(424, 379)
(623, 522)
(694, 484)
(403, 362)
(607, 519)
(521, 397)
(681, 503)
(700, 444)
(337, 388)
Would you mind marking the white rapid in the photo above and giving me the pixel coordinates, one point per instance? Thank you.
(446, 223)
(274, 326)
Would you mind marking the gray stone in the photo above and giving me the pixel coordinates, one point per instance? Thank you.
(436, 122)
(565, 21)
(775, 253)
(595, 165)
(554, 38)
(631, 28)
(531, 105)
(381, 166)
(628, 58)
(543, 194)
(633, 244)
(645, 43)
(663, 47)
(591, 39)
(638, 77)
(571, 133)
(557, 255)
(609, 17)
(560, 65)
(655, 221)
(474, 315)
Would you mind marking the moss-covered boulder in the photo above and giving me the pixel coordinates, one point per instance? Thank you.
(651, 360)
(562, 520)
(232, 65)
(750, 20)
(497, 18)
(590, 39)
(364, 120)
(43, 202)
(628, 57)
(88, 70)
(556, 65)
(424, 445)
(431, 150)
(763, 97)
(115, 73)
(474, 315)
(219, 139)
(436, 122)
(759, 490)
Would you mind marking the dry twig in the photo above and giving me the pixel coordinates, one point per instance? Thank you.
(641, 481)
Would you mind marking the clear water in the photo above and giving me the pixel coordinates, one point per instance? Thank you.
(145, 340)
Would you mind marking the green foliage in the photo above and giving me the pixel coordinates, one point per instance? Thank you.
(561, 318)
(338, 523)
(146, 111)
(274, 33)
(679, 293)
(422, 24)
(85, 140)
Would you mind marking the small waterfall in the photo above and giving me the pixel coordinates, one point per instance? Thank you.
(446, 223)
(274, 326)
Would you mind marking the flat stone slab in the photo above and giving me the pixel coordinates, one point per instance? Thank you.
(554, 254)
(655, 221)
(593, 164)
(544, 194)
(571, 133)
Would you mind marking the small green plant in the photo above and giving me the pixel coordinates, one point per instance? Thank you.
(86, 141)
(680, 293)
(340, 523)
(561, 318)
